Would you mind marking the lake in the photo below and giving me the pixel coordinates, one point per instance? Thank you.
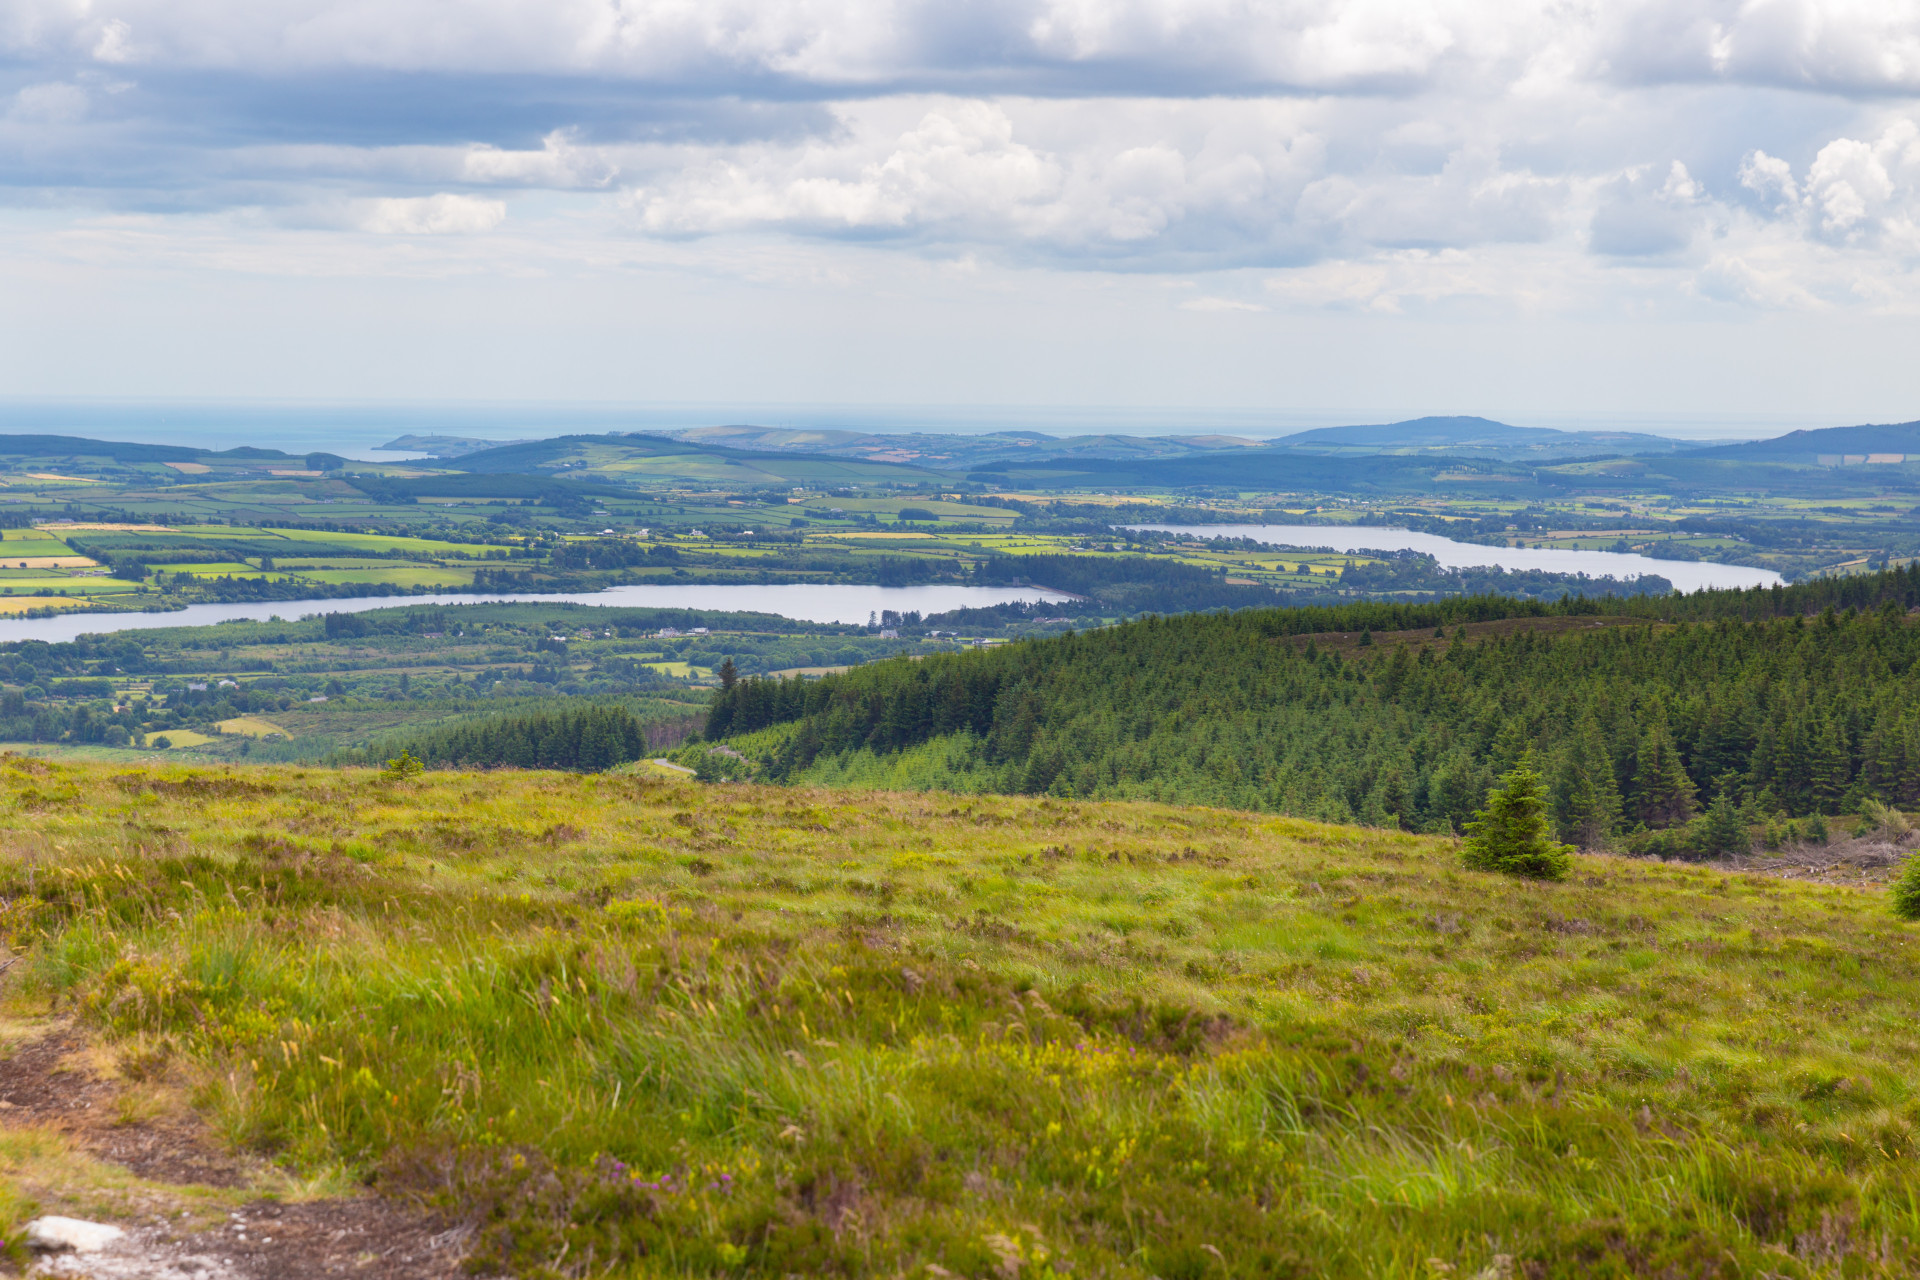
(1686, 575)
(808, 602)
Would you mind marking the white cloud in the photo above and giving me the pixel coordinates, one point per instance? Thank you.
(435, 215)
(1862, 189)
(56, 103)
(558, 163)
(1148, 182)
(1730, 278)
(959, 162)
(1770, 178)
(1863, 46)
(1861, 194)
(115, 42)
(1219, 304)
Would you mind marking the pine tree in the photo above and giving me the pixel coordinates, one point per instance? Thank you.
(1586, 803)
(1827, 767)
(1510, 834)
(1663, 794)
(1905, 894)
(1722, 831)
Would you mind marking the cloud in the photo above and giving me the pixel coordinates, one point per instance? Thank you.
(1730, 278)
(1219, 304)
(1861, 193)
(957, 163)
(56, 103)
(1640, 215)
(435, 215)
(1865, 47)
(1392, 155)
(1190, 46)
(1146, 184)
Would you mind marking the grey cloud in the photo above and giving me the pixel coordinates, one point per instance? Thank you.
(1161, 47)
(1142, 135)
(1643, 215)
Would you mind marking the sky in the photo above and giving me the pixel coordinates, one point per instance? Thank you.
(1637, 212)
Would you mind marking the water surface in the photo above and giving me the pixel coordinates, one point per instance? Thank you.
(808, 602)
(1686, 575)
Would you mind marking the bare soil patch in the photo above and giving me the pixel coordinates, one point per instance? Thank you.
(50, 1082)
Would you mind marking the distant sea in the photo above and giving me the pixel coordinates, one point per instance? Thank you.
(356, 430)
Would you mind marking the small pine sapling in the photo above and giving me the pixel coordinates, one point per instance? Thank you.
(1511, 833)
(1721, 830)
(1905, 893)
(402, 767)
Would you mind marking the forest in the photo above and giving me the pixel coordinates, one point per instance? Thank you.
(586, 738)
(1673, 724)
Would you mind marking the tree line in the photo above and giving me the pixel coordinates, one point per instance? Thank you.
(586, 738)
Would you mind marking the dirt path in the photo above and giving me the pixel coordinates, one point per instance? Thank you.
(190, 1210)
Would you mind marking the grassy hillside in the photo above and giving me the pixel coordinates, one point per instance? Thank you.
(637, 1026)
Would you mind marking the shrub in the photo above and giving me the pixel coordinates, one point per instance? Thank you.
(1510, 834)
(1669, 843)
(403, 766)
(1885, 819)
(1905, 894)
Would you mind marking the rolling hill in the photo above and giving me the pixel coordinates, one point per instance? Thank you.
(1830, 446)
(639, 460)
(1473, 437)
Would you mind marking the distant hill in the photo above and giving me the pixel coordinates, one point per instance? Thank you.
(1469, 436)
(445, 446)
(639, 459)
(1829, 446)
(956, 451)
(31, 446)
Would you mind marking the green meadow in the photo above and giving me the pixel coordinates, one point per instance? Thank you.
(634, 1026)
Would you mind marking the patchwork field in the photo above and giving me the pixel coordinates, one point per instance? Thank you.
(629, 1025)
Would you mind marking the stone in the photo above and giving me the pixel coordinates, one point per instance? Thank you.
(53, 1234)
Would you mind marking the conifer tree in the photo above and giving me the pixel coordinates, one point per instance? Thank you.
(1722, 830)
(1663, 794)
(1586, 802)
(1827, 767)
(1510, 834)
(1905, 894)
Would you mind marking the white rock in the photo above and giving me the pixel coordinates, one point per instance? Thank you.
(76, 1234)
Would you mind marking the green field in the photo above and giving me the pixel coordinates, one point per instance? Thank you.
(726, 1031)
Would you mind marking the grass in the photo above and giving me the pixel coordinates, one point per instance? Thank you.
(83, 751)
(683, 670)
(21, 604)
(179, 738)
(402, 575)
(252, 727)
(638, 1026)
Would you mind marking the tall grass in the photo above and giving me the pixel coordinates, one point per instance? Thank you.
(640, 1027)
